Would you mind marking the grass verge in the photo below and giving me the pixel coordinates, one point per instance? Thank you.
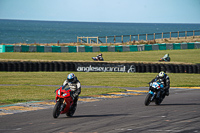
(183, 56)
(96, 78)
(25, 93)
(25, 88)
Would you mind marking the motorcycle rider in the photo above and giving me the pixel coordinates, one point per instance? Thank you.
(75, 86)
(164, 78)
(166, 57)
(99, 57)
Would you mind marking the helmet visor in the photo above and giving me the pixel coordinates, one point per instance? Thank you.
(70, 80)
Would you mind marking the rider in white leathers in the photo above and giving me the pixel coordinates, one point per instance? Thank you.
(75, 86)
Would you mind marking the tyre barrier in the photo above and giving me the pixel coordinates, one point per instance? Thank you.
(153, 68)
(27, 66)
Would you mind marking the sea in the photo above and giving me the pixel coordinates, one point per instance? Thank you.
(28, 31)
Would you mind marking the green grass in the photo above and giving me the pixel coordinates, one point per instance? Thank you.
(28, 91)
(135, 79)
(185, 56)
(24, 93)
(13, 94)
(96, 78)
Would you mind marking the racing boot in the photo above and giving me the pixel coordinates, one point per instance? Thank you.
(73, 107)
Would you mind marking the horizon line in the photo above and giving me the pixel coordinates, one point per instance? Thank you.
(97, 21)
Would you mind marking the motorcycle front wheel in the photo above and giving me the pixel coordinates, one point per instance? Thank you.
(56, 110)
(148, 99)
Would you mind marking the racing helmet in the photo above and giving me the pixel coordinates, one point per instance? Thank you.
(161, 74)
(100, 54)
(70, 77)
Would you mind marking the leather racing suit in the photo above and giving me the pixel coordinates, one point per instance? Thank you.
(75, 87)
(165, 81)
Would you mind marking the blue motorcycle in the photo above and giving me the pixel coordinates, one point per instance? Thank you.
(156, 93)
(97, 59)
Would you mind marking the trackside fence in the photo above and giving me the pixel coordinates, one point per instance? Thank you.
(138, 37)
(114, 48)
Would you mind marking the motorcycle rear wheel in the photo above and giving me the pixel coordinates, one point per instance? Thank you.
(56, 110)
(71, 111)
(158, 101)
(148, 99)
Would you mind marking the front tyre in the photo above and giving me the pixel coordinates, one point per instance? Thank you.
(148, 99)
(56, 110)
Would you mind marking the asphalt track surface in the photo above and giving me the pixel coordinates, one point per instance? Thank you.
(179, 113)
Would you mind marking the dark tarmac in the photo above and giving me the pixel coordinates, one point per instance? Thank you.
(178, 113)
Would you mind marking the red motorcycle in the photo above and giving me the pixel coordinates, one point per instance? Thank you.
(64, 102)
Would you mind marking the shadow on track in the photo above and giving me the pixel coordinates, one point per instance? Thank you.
(106, 115)
(179, 104)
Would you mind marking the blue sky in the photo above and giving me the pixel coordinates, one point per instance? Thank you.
(133, 11)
